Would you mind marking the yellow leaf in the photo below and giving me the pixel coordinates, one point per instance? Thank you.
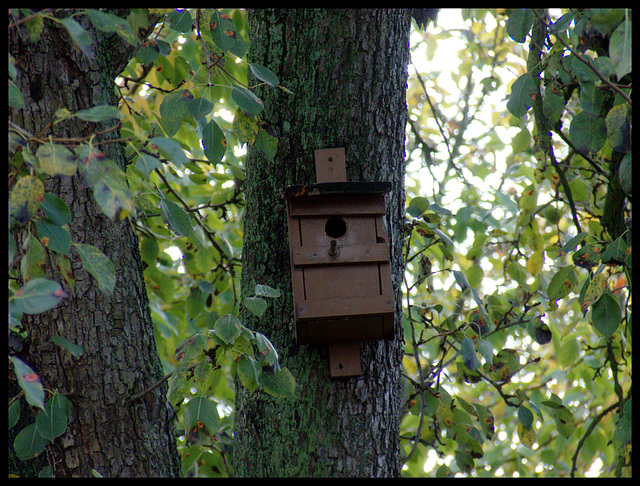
(56, 160)
(245, 127)
(26, 197)
(526, 435)
(535, 261)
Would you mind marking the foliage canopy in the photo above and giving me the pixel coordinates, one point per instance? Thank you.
(517, 312)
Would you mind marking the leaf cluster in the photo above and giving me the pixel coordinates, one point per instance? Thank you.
(517, 290)
(186, 111)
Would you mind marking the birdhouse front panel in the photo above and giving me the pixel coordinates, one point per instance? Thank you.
(340, 263)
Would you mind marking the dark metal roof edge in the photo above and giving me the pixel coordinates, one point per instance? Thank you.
(336, 188)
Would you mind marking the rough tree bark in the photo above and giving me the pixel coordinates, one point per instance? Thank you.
(106, 432)
(348, 72)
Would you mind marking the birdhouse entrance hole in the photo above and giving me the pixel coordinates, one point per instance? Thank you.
(335, 227)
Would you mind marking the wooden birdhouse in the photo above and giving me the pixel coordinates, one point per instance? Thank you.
(340, 265)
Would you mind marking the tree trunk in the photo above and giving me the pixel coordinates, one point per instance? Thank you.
(106, 433)
(348, 72)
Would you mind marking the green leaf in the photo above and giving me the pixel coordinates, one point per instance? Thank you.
(443, 236)
(436, 208)
(586, 257)
(98, 113)
(146, 164)
(266, 291)
(15, 96)
(624, 173)
(56, 210)
(223, 30)
(592, 99)
(605, 66)
(620, 49)
(579, 189)
(203, 374)
(505, 363)
(246, 100)
(521, 141)
(616, 252)
(539, 331)
(485, 417)
(107, 22)
(228, 328)
(29, 443)
(583, 74)
(592, 290)
(562, 283)
(476, 297)
(176, 217)
(245, 127)
(109, 189)
(38, 295)
(468, 351)
(417, 206)
(518, 272)
(588, 133)
(525, 416)
(444, 472)
(178, 385)
(522, 94)
(464, 461)
(256, 305)
(75, 349)
(461, 279)
(267, 351)
(606, 16)
(34, 26)
(56, 160)
(149, 250)
(248, 370)
(195, 302)
(553, 106)
(572, 243)
(169, 149)
(173, 109)
(214, 142)
(163, 283)
(58, 238)
(190, 348)
(198, 108)
(560, 26)
(618, 123)
(98, 265)
(52, 421)
(485, 348)
(14, 413)
(606, 314)
(280, 384)
(180, 20)
(148, 52)
(201, 412)
(264, 74)
(26, 197)
(519, 24)
(33, 259)
(266, 143)
(623, 433)
(29, 381)
(564, 422)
